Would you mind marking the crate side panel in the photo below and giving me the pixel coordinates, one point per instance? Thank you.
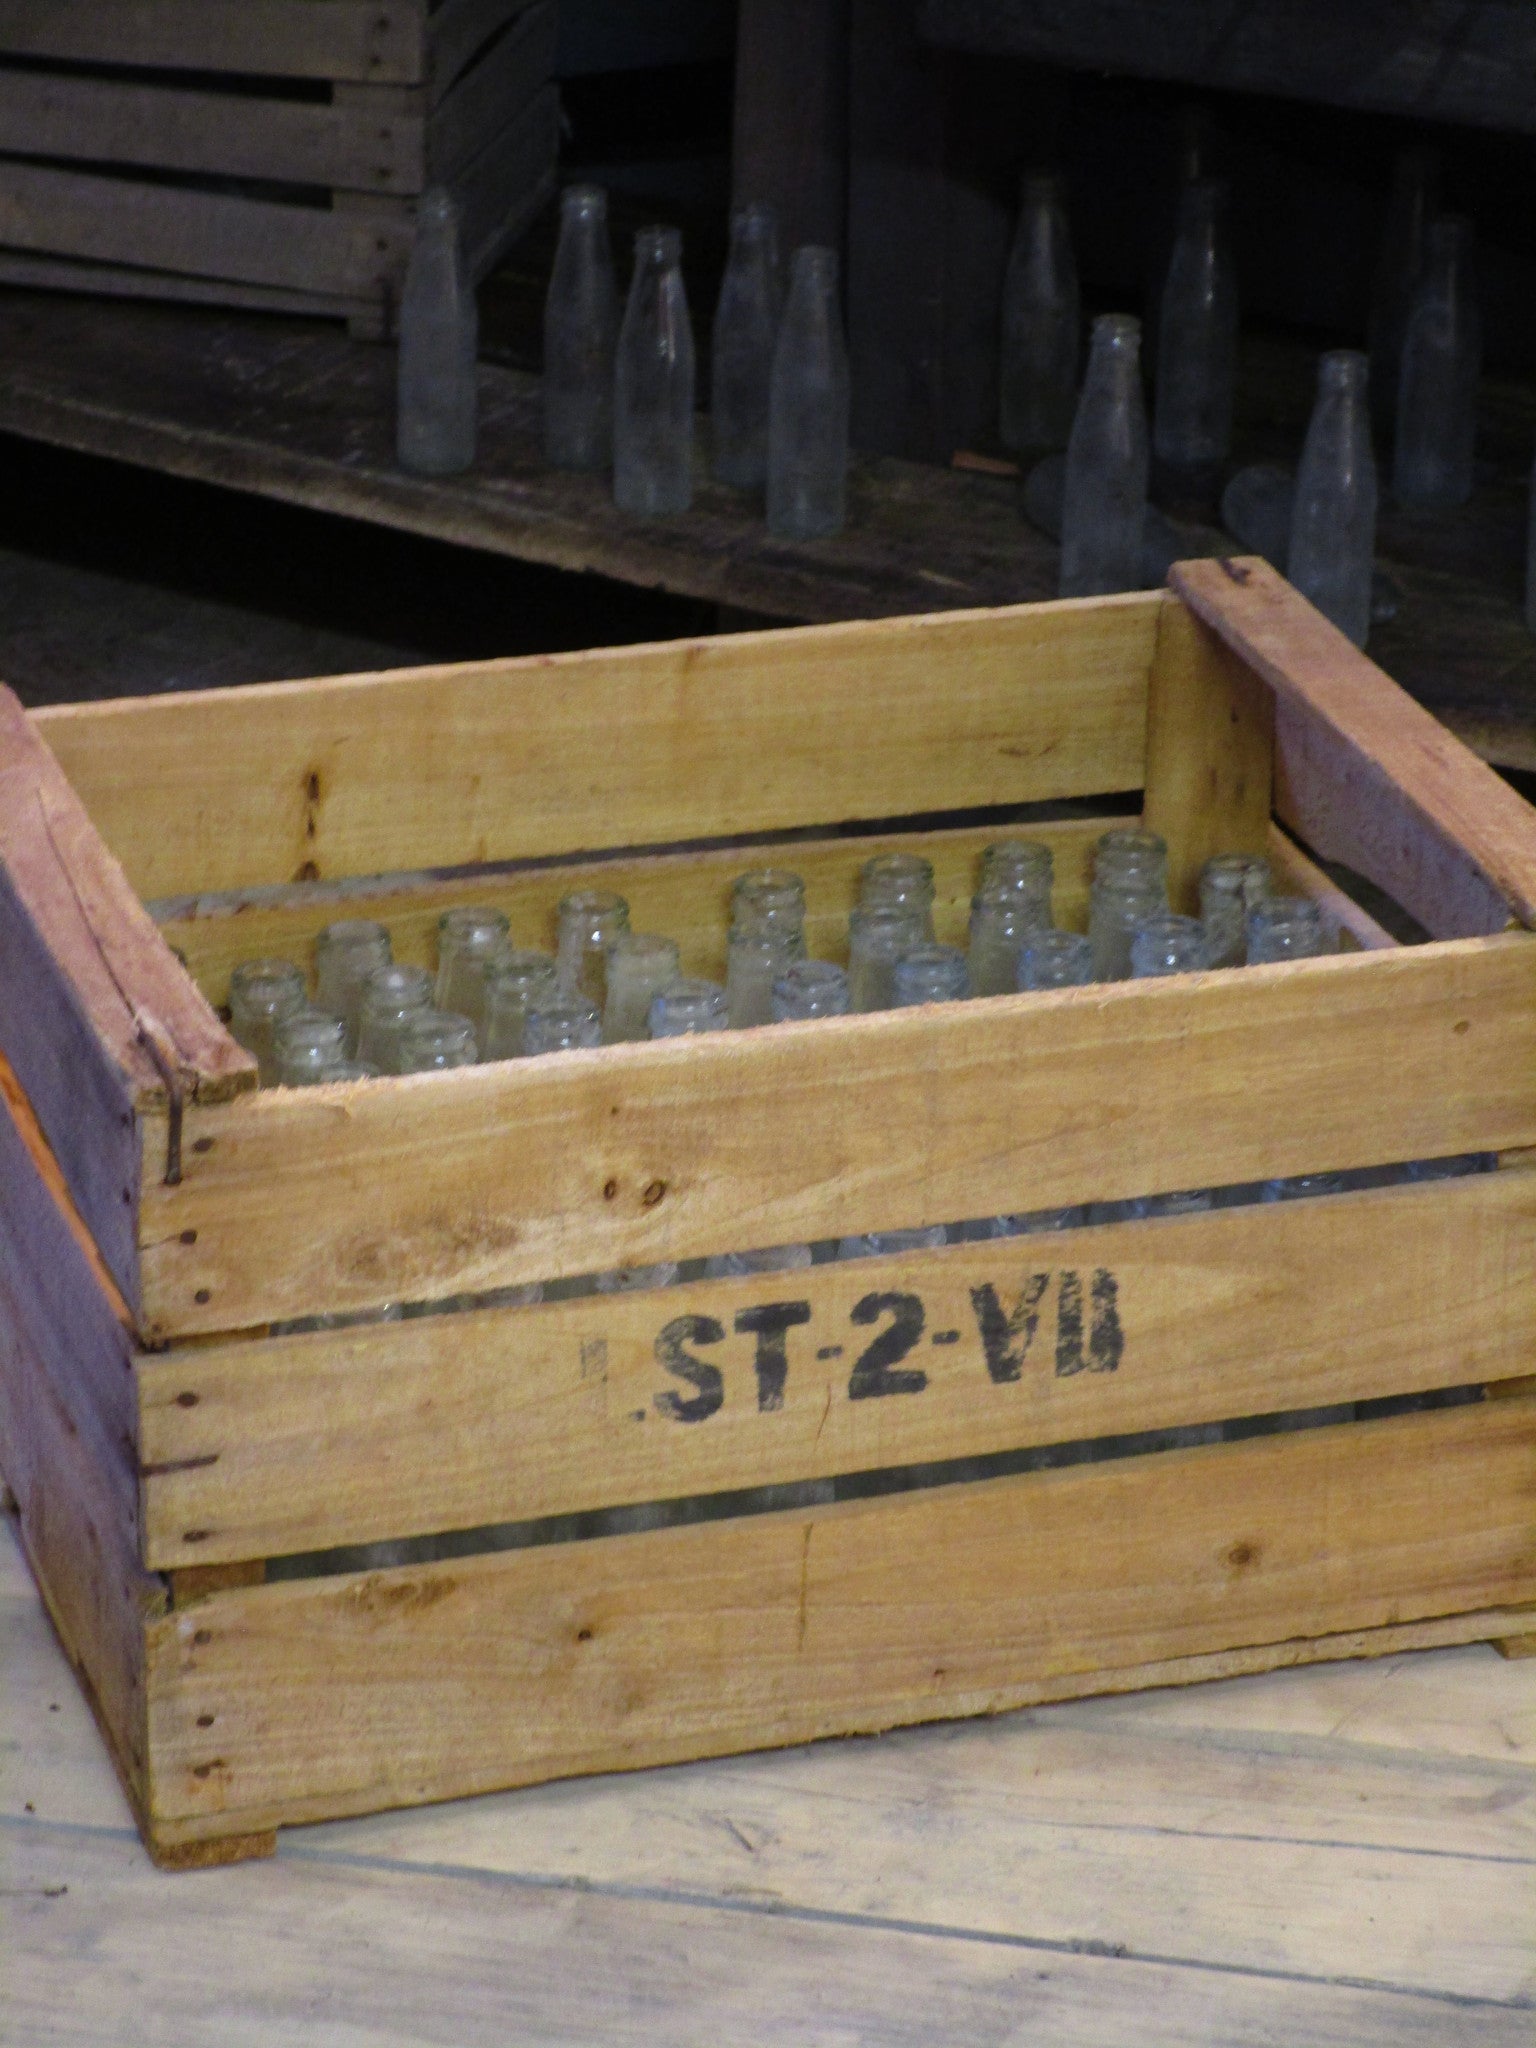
(279, 38)
(487, 97)
(457, 31)
(707, 738)
(451, 1422)
(324, 1200)
(397, 1687)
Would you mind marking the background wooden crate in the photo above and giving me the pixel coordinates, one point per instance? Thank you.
(266, 153)
(194, 1475)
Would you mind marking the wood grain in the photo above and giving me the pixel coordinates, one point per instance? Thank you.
(305, 1443)
(286, 38)
(344, 1198)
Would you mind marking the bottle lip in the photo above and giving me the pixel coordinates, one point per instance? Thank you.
(816, 262)
(1119, 330)
(1344, 369)
(591, 199)
(1043, 182)
(658, 244)
(756, 214)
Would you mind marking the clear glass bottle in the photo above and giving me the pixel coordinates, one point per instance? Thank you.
(1130, 882)
(808, 405)
(1437, 385)
(390, 995)
(930, 974)
(589, 922)
(306, 1043)
(1042, 324)
(470, 938)
(515, 983)
(640, 966)
(653, 384)
(1167, 943)
(437, 398)
(1256, 509)
(688, 1008)
(346, 954)
(581, 318)
(741, 350)
(1002, 918)
(1104, 507)
(900, 881)
(261, 992)
(1333, 526)
(810, 988)
(1230, 885)
(1399, 264)
(1056, 960)
(771, 900)
(754, 962)
(1024, 864)
(435, 1040)
(878, 935)
(563, 1024)
(1197, 339)
(1285, 928)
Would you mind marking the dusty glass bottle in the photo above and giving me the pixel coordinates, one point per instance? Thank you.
(1197, 340)
(261, 993)
(689, 1007)
(469, 939)
(1167, 943)
(1333, 524)
(1399, 264)
(1042, 324)
(899, 881)
(1130, 882)
(515, 983)
(1002, 918)
(1105, 500)
(563, 1023)
(741, 350)
(346, 954)
(1437, 385)
(1256, 508)
(305, 1043)
(640, 966)
(589, 922)
(771, 900)
(433, 1040)
(810, 988)
(439, 342)
(878, 935)
(581, 317)
(754, 962)
(390, 995)
(1025, 864)
(930, 974)
(1055, 960)
(653, 383)
(1230, 885)
(808, 405)
(1285, 928)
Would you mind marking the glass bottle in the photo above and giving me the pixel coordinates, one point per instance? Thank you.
(1333, 525)
(640, 966)
(1055, 960)
(930, 974)
(390, 995)
(439, 341)
(808, 405)
(346, 954)
(589, 922)
(1197, 338)
(581, 317)
(514, 984)
(1105, 502)
(741, 350)
(902, 881)
(1025, 864)
(1167, 943)
(1130, 882)
(260, 993)
(754, 962)
(1285, 928)
(1230, 885)
(1002, 918)
(1437, 385)
(810, 988)
(565, 1023)
(878, 935)
(653, 383)
(434, 1039)
(305, 1043)
(1399, 264)
(469, 939)
(771, 900)
(1042, 324)
(688, 1008)
(1256, 509)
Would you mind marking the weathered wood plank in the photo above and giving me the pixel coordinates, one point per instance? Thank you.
(634, 1650)
(501, 189)
(282, 38)
(495, 760)
(123, 281)
(485, 99)
(525, 1170)
(457, 31)
(305, 1443)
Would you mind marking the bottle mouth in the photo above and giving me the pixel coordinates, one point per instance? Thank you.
(659, 245)
(1120, 330)
(584, 199)
(816, 264)
(1344, 369)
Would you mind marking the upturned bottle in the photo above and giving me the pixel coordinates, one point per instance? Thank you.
(899, 881)
(653, 383)
(1399, 264)
(1285, 928)
(261, 994)
(1130, 882)
(1437, 385)
(306, 1044)
(439, 342)
(347, 953)
(640, 966)
(688, 1008)
(1002, 918)
(930, 974)
(391, 996)
(1042, 324)
(741, 350)
(771, 900)
(1333, 523)
(878, 935)
(1055, 960)
(1230, 885)
(1167, 943)
(1197, 340)
(433, 1040)
(810, 988)
(1104, 507)
(589, 922)
(808, 405)
(515, 983)
(469, 940)
(562, 1023)
(581, 317)
(754, 962)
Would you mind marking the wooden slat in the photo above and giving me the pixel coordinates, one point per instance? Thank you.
(1364, 774)
(457, 31)
(123, 281)
(1349, 927)
(286, 38)
(648, 745)
(487, 97)
(506, 1669)
(500, 190)
(343, 1198)
(305, 1443)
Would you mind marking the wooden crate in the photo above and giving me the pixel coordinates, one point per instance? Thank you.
(266, 153)
(190, 1478)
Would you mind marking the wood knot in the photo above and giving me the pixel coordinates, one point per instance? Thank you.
(188, 1237)
(1242, 1555)
(1230, 566)
(583, 1635)
(654, 1190)
(610, 1189)
(187, 1400)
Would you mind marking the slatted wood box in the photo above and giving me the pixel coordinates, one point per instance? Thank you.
(266, 153)
(192, 1483)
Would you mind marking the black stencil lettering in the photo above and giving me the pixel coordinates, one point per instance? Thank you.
(769, 1325)
(670, 1353)
(1005, 1339)
(1069, 1326)
(872, 1375)
(1106, 1339)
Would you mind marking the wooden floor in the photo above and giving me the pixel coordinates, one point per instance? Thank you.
(1345, 1855)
